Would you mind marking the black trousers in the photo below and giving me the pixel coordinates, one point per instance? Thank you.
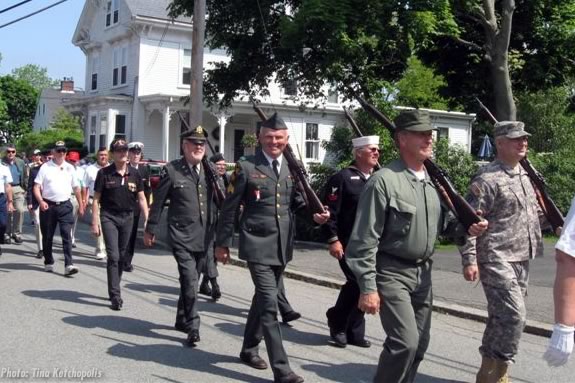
(132, 242)
(283, 303)
(262, 319)
(3, 216)
(116, 229)
(57, 214)
(189, 268)
(345, 316)
(209, 266)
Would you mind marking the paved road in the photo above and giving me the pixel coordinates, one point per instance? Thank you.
(448, 283)
(52, 325)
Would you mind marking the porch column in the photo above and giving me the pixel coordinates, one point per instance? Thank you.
(166, 133)
(111, 128)
(222, 121)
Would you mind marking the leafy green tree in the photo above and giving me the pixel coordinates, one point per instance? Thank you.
(458, 164)
(35, 75)
(64, 127)
(20, 99)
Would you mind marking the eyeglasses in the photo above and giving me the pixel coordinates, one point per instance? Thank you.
(60, 150)
(197, 143)
(373, 150)
(136, 151)
(10, 151)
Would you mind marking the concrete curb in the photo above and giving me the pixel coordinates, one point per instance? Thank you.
(532, 327)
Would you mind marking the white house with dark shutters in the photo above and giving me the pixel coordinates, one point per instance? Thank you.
(138, 69)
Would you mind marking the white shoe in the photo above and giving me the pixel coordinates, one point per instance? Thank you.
(70, 270)
(100, 255)
(49, 268)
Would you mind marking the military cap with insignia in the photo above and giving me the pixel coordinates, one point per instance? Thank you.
(196, 135)
(414, 120)
(274, 123)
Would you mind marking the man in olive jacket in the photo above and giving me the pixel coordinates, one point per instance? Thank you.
(265, 187)
(399, 216)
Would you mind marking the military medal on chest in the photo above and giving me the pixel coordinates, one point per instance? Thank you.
(333, 196)
(257, 194)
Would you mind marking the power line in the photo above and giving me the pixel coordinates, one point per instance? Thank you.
(15, 5)
(32, 14)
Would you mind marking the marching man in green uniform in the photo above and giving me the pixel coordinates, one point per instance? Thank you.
(265, 187)
(399, 217)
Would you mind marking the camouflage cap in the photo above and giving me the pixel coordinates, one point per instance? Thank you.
(510, 129)
(196, 134)
(414, 120)
(274, 123)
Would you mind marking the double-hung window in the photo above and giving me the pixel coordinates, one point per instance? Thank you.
(112, 12)
(311, 141)
(120, 71)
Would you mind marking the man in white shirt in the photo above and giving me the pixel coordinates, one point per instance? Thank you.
(88, 193)
(6, 202)
(73, 158)
(53, 186)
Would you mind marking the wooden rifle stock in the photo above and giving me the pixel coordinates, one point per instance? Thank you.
(456, 203)
(297, 171)
(357, 130)
(551, 211)
(219, 195)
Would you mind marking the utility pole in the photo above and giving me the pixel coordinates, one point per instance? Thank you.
(197, 69)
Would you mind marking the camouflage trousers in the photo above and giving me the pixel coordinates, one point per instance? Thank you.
(505, 286)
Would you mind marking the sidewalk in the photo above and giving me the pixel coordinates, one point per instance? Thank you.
(51, 322)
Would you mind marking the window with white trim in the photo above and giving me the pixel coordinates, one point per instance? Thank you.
(120, 71)
(187, 67)
(120, 126)
(290, 87)
(112, 12)
(442, 132)
(95, 66)
(332, 95)
(311, 141)
(92, 143)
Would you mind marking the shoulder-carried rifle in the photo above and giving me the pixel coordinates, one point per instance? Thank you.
(211, 175)
(551, 211)
(357, 131)
(297, 171)
(456, 203)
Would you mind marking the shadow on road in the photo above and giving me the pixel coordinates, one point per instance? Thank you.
(67, 296)
(194, 359)
(22, 266)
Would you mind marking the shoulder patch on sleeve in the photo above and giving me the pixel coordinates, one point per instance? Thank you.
(164, 172)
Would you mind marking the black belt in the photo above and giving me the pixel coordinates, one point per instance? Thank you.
(56, 203)
(15, 184)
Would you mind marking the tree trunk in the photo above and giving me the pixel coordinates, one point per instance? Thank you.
(502, 91)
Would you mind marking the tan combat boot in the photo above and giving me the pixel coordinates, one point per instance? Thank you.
(501, 375)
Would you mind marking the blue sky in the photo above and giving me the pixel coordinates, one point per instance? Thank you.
(43, 39)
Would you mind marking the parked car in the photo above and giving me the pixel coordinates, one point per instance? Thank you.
(155, 169)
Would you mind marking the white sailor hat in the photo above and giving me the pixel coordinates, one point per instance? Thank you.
(136, 145)
(364, 141)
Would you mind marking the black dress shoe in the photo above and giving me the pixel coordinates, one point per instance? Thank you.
(116, 304)
(292, 377)
(193, 338)
(216, 293)
(339, 339)
(40, 254)
(360, 343)
(253, 360)
(128, 268)
(205, 287)
(291, 316)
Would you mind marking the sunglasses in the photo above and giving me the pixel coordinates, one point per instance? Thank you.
(136, 151)
(60, 150)
(10, 151)
(373, 150)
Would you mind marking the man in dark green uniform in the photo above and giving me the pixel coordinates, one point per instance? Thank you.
(265, 187)
(399, 217)
(190, 214)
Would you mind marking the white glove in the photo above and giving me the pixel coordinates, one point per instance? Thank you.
(560, 346)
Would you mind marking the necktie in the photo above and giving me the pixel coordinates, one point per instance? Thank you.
(275, 165)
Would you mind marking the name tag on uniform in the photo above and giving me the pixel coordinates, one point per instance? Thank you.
(354, 177)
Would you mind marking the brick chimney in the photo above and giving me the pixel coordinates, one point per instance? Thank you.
(67, 85)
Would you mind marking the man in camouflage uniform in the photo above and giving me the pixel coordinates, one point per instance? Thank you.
(399, 216)
(500, 258)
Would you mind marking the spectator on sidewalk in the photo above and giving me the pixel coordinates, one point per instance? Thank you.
(345, 320)
(6, 198)
(88, 193)
(561, 343)
(117, 190)
(500, 258)
(74, 159)
(399, 216)
(53, 187)
(264, 186)
(190, 213)
(16, 217)
(135, 156)
(33, 207)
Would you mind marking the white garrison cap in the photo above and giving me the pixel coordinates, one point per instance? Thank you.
(136, 145)
(365, 140)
